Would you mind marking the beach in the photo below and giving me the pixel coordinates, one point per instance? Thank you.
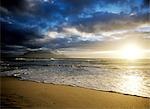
(27, 94)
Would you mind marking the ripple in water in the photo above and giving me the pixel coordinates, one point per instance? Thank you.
(114, 76)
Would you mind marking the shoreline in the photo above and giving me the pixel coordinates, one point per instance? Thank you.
(18, 78)
(64, 96)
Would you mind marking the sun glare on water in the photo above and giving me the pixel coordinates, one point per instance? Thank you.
(131, 52)
(131, 83)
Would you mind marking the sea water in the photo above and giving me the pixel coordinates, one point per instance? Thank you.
(123, 76)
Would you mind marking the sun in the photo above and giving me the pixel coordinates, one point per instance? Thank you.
(131, 52)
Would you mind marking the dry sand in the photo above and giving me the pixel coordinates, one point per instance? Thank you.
(27, 94)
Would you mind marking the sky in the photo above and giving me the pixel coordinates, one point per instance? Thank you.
(77, 28)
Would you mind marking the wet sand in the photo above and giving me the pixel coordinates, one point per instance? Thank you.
(26, 94)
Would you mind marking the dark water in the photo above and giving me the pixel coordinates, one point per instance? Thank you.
(128, 77)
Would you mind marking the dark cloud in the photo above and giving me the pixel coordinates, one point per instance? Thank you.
(27, 22)
(103, 21)
(113, 1)
(146, 4)
(16, 36)
(78, 5)
(13, 5)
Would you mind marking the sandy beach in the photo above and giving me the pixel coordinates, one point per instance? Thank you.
(26, 94)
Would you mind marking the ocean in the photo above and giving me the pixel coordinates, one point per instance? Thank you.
(116, 75)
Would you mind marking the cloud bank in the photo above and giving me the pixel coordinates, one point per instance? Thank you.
(57, 24)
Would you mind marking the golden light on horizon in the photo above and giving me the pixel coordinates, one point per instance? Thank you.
(131, 52)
